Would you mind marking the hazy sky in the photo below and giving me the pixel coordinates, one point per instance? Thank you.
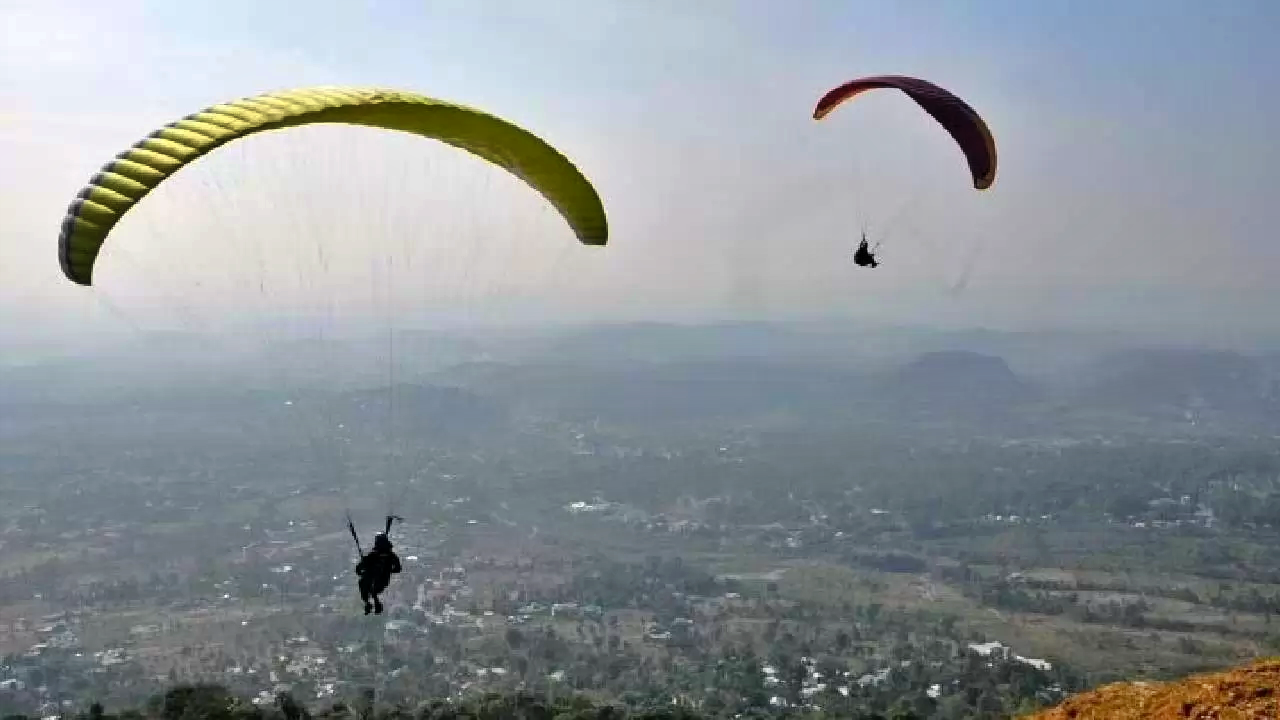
(1137, 181)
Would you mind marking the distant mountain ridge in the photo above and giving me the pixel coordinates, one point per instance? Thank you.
(1184, 380)
(963, 376)
(662, 373)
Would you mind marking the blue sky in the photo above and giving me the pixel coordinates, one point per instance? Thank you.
(1136, 187)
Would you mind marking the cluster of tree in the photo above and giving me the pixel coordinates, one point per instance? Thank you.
(893, 562)
(783, 479)
(995, 697)
(1135, 613)
(657, 584)
(1249, 599)
(869, 661)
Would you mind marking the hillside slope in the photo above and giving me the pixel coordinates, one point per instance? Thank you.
(1248, 692)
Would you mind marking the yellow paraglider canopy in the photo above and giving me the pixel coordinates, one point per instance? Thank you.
(132, 174)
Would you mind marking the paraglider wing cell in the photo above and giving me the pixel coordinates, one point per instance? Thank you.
(124, 181)
(955, 115)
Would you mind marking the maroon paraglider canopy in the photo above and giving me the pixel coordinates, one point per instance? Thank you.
(954, 114)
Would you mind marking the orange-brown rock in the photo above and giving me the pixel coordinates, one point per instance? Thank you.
(1251, 692)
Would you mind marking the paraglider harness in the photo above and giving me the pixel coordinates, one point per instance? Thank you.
(864, 256)
(376, 568)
